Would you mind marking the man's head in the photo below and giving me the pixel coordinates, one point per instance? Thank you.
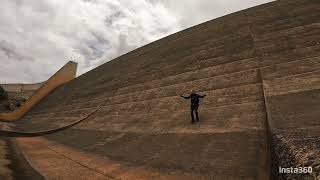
(193, 91)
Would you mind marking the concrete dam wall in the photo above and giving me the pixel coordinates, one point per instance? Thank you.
(21, 87)
(125, 120)
(21, 90)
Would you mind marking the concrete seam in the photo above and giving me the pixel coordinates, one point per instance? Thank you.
(268, 130)
(80, 163)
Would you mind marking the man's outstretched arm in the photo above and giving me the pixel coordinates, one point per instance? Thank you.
(199, 96)
(185, 97)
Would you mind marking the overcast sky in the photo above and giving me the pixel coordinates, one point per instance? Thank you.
(37, 37)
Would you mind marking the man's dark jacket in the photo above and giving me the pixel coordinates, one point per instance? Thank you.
(194, 98)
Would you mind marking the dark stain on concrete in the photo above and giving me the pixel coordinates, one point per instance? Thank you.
(18, 164)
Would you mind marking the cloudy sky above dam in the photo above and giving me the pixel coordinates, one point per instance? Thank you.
(37, 37)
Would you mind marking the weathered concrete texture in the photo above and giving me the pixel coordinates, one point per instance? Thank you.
(288, 49)
(13, 165)
(127, 116)
(295, 124)
(58, 166)
(5, 171)
(291, 152)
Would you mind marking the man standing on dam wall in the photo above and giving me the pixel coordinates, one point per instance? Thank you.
(194, 104)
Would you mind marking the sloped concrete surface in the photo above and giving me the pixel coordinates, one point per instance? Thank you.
(259, 69)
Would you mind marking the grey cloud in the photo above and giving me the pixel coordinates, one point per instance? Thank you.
(9, 50)
(38, 37)
(12, 53)
(109, 20)
(99, 45)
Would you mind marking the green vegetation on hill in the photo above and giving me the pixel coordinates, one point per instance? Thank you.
(9, 102)
(3, 94)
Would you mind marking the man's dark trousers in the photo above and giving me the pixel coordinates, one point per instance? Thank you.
(194, 108)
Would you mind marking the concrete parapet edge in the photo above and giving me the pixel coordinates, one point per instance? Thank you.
(18, 87)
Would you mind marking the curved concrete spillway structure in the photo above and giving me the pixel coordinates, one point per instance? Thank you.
(259, 69)
(64, 75)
